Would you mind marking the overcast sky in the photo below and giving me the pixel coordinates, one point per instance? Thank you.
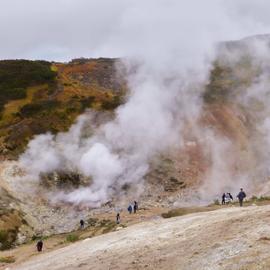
(64, 29)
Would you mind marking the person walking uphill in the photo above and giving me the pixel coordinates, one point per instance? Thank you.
(118, 218)
(82, 224)
(135, 207)
(223, 198)
(241, 196)
(129, 209)
(39, 245)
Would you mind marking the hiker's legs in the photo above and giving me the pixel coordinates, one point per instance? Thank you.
(241, 202)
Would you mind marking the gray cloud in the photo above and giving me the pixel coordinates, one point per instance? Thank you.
(64, 29)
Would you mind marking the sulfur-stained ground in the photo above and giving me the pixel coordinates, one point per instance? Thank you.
(229, 238)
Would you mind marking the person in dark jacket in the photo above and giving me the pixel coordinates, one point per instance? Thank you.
(118, 218)
(135, 207)
(129, 209)
(223, 198)
(82, 224)
(230, 195)
(241, 196)
(39, 245)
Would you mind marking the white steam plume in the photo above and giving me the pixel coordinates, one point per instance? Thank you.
(172, 44)
(242, 161)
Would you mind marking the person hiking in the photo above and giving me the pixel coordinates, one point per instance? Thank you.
(82, 223)
(223, 198)
(241, 196)
(129, 209)
(118, 218)
(135, 207)
(39, 245)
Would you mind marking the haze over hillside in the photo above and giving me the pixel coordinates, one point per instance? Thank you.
(214, 148)
(164, 102)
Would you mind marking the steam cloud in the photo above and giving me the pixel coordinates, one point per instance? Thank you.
(172, 43)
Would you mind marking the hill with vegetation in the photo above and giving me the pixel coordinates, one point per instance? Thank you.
(39, 96)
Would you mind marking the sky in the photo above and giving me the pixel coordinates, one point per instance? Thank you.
(64, 29)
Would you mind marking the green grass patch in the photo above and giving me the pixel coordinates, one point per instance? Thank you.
(7, 259)
(111, 104)
(188, 210)
(33, 109)
(87, 102)
(108, 226)
(216, 202)
(220, 83)
(177, 213)
(71, 238)
(92, 221)
(7, 238)
(17, 75)
(259, 199)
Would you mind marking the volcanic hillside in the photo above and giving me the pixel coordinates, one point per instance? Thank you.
(38, 97)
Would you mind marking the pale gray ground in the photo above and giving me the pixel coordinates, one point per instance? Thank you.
(231, 238)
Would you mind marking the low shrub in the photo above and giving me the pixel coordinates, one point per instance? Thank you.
(176, 213)
(216, 202)
(7, 259)
(7, 238)
(72, 238)
(32, 109)
(17, 75)
(87, 102)
(111, 104)
(260, 199)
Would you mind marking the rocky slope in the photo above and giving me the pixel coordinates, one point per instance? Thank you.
(225, 239)
(52, 98)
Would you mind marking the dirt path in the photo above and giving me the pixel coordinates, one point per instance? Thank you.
(230, 238)
(104, 223)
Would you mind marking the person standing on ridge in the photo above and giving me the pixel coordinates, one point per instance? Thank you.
(241, 196)
(223, 198)
(135, 207)
(82, 224)
(118, 218)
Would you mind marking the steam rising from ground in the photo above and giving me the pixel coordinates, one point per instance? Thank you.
(172, 46)
(243, 161)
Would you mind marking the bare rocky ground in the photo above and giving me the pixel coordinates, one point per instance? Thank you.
(229, 238)
(44, 217)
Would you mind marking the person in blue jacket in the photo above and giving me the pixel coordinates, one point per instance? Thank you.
(129, 209)
(241, 196)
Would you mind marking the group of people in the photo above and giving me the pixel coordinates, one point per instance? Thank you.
(131, 208)
(39, 244)
(227, 197)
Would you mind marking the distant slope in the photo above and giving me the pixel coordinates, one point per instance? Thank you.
(39, 96)
(47, 97)
(232, 239)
